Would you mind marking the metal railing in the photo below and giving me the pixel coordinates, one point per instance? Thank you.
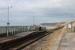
(16, 29)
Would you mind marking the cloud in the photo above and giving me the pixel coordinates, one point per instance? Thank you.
(24, 10)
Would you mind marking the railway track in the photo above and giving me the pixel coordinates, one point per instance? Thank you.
(18, 44)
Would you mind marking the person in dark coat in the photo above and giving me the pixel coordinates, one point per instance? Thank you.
(40, 28)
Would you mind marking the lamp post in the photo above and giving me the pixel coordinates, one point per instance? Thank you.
(8, 23)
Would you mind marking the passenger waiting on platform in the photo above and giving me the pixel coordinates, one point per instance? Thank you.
(40, 28)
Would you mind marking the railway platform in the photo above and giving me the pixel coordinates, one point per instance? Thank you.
(58, 40)
(67, 42)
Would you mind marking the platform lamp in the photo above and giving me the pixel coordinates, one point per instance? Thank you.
(8, 28)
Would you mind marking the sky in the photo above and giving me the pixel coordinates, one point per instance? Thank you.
(29, 12)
